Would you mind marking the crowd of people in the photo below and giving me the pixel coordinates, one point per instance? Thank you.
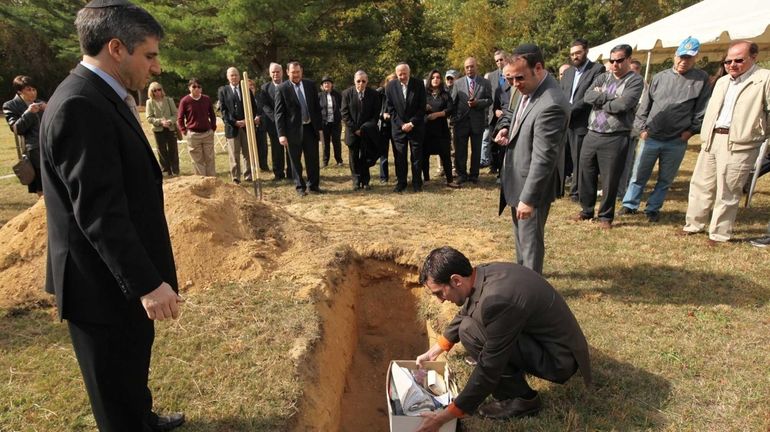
(111, 265)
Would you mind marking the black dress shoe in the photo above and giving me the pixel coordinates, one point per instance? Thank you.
(315, 190)
(399, 188)
(168, 422)
(301, 192)
(508, 408)
(366, 187)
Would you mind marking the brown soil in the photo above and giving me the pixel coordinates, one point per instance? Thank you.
(219, 232)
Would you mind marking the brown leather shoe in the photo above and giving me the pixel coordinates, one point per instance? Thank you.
(168, 422)
(508, 408)
(579, 217)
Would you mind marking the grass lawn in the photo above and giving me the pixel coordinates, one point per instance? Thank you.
(679, 332)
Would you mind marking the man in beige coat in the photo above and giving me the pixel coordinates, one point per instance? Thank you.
(734, 127)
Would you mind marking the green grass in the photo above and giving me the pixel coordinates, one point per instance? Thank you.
(679, 332)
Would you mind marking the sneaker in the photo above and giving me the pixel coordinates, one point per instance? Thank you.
(508, 408)
(626, 211)
(761, 242)
(653, 216)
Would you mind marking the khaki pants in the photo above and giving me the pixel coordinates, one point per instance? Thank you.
(237, 146)
(717, 182)
(201, 148)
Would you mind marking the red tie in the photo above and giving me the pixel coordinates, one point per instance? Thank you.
(471, 89)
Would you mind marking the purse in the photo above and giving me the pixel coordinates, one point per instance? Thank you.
(23, 168)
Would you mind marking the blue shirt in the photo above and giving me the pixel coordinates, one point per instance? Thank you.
(119, 89)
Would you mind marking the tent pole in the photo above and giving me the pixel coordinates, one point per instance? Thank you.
(647, 68)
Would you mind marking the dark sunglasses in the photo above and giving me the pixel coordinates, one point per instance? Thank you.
(731, 61)
(157, 90)
(195, 86)
(618, 61)
(515, 78)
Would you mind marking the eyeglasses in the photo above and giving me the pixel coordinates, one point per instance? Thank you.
(195, 86)
(618, 61)
(361, 81)
(731, 61)
(157, 90)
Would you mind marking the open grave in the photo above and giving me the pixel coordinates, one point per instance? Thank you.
(371, 319)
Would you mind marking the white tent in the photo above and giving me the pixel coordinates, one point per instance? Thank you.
(715, 23)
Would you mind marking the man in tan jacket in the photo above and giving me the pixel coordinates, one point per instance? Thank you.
(734, 127)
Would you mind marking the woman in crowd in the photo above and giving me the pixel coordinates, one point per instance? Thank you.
(23, 114)
(198, 122)
(437, 139)
(161, 113)
(386, 134)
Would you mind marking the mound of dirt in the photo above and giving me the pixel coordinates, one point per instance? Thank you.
(220, 233)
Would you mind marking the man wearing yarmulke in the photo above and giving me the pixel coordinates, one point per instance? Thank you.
(110, 262)
(512, 322)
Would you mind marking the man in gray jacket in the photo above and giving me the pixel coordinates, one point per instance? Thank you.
(533, 133)
(671, 112)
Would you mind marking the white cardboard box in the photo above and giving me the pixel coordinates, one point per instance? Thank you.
(403, 423)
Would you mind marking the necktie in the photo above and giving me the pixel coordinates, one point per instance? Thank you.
(237, 92)
(360, 96)
(471, 88)
(129, 100)
(302, 103)
(403, 90)
(520, 111)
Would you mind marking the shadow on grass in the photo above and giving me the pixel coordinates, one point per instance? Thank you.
(664, 284)
(623, 397)
(234, 424)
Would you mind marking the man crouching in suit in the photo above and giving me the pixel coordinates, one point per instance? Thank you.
(110, 262)
(360, 112)
(534, 134)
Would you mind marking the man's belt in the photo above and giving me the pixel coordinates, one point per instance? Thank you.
(723, 131)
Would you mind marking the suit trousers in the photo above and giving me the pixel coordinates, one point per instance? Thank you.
(529, 236)
(201, 148)
(358, 166)
(307, 146)
(402, 168)
(575, 142)
(261, 135)
(550, 361)
(628, 166)
(114, 360)
(168, 151)
(717, 181)
(279, 153)
(462, 133)
(237, 148)
(603, 154)
(332, 132)
(386, 141)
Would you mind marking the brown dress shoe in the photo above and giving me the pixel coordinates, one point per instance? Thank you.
(508, 408)
(579, 217)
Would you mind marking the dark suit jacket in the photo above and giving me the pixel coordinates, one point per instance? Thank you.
(268, 99)
(579, 110)
(529, 169)
(288, 111)
(494, 83)
(356, 114)
(405, 111)
(502, 101)
(232, 109)
(336, 101)
(27, 123)
(108, 242)
(509, 300)
(478, 115)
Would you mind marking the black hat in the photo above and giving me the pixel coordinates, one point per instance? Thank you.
(97, 4)
(327, 78)
(526, 48)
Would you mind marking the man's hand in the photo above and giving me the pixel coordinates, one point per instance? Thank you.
(257, 120)
(358, 132)
(524, 211)
(686, 135)
(643, 135)
(472, 103)
(407, 127)
(385, 116)
(432, 421)
(498, 113)
(502, 137)
(429, 355)
(34, 107)
(240, 123)
(283, 140)
(162, 303)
